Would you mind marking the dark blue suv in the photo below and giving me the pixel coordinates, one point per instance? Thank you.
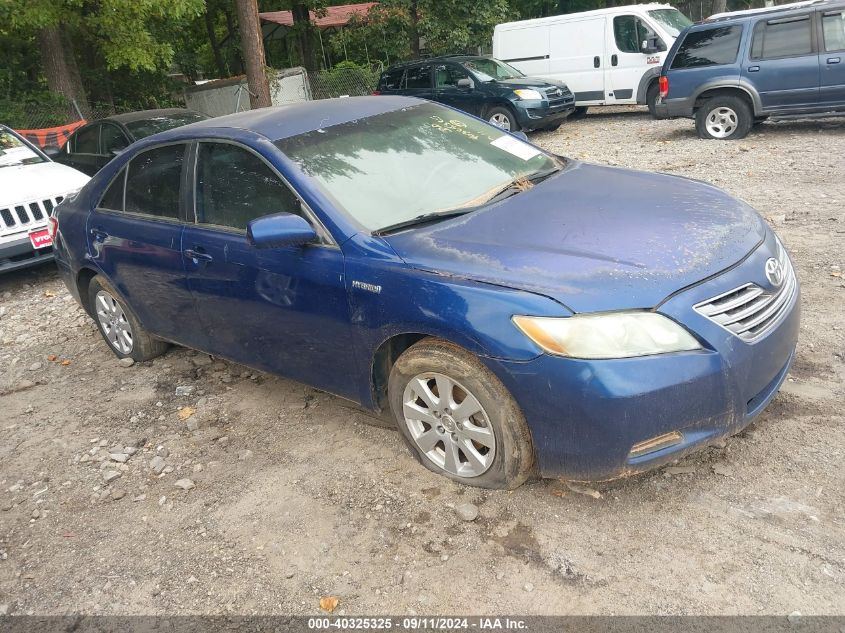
(732, 71)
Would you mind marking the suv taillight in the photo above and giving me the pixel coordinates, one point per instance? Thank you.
(376, 93)
(53, 226)
(664, 86)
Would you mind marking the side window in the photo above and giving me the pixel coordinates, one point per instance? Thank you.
(112, 139)
(153, 182)
(87, 140)
(113, 198)
(392, 79)
(258, 192)
(709, 47)
(625, 33)
(418, 77)
(833, 25)
(782, 38)
(448, 75)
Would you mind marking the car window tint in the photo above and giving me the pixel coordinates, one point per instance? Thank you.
(113, 198)
(87, 140)
(392, 79)
(113, 139)
(234, 186)
(782, 38)
(709, 47)
(625, 33)
(833, 25)
(152, 186)
(448, 75)
(418, 77)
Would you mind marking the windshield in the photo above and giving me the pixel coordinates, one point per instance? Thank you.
(491, 69)
(148, 127)
(672, 20)
(13, 151)
(397, 166)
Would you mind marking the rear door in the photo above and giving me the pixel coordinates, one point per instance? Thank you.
(112, 141)
(418, 82)
(576, 56)
(625, 62)
(832, 58)
(446, 89)
(135, 239)
(83, 150)
(285, 309)
(783, 64)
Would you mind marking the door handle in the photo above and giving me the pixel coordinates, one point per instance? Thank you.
(596, 61)
(833, 60)
(753, 69)
(197, 255)
(99, 235)
(614, 60)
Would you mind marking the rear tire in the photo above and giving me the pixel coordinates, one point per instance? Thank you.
(724, 118)
(118, 324)
(651, 95)
(503, 118)
(552, 128)
(478, 424)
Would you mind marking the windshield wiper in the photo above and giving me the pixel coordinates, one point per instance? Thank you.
(425, 218)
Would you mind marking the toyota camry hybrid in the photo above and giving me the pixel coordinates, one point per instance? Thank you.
(518, 313)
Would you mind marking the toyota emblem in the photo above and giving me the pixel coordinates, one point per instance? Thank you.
(774, 272)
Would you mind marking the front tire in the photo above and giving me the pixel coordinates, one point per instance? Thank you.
(724, 118)
(457, 418)
(503, 118)
(118, 324)
(651, 98)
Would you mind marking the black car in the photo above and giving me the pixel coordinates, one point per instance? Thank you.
(485, 87)
(92, 146)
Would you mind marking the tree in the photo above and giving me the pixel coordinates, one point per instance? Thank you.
(60, 69)
(252, 47)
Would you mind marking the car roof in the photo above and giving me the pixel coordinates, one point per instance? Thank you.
(292, 119)
(439, 58)
(141, 115)
(784, 9)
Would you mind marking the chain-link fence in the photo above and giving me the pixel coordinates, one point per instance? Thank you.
(343, 82)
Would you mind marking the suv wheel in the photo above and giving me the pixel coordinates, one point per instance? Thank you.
(503, 118)
(457, 418)
(724, 118)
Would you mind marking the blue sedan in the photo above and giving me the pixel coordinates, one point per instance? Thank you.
(516, 312)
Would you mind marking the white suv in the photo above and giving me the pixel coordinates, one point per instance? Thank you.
(31, 186)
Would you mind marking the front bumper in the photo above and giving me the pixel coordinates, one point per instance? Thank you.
(536, 115)
(586, 416)
(19, 253)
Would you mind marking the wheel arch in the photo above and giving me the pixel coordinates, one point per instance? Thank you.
(83, 281)
(737, 90)
(649, 77)
(383, 359)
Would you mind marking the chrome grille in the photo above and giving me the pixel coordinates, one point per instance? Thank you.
(24, 216)
(750, 311)
(559, 97)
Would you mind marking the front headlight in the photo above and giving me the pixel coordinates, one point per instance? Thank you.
(610, 335)
(527, 94)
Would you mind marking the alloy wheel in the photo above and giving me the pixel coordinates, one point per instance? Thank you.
(113, 322)
(721, 122)
(449, 425)
(501, 120)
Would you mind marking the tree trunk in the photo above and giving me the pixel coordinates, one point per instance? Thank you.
(303, 28)
(720, 6)
(62, 78)
(215, 45)
(252, 46)
(413, 30)
(230, 43)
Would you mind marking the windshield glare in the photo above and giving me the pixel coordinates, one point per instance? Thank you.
(13, 151)
(397, 166)
(491, 69)
(672, 20)
(148, 127)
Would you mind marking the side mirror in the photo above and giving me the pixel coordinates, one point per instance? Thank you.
(520, 135)
(649, 46)
(52, 151)
(280, 229)
(466, 84)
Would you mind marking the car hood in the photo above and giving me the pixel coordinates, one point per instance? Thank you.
(25, 183)
(526, 82)
(593, 238)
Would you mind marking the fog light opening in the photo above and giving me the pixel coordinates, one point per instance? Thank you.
(656, 443)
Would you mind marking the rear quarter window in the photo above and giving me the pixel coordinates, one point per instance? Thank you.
(391, 80)
(709, 47)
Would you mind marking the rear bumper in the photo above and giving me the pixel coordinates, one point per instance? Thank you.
(19, 253)
(672, 108)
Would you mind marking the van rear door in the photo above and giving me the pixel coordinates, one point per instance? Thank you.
(576, 56)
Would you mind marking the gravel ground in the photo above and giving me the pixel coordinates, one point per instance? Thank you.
(271, 495)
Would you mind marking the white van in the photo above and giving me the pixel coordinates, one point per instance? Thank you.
(606, 57)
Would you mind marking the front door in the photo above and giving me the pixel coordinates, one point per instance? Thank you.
(783, 65)
(446, 89)
(832, 58)
(284, 310)
(625, 61)
(137, 244)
